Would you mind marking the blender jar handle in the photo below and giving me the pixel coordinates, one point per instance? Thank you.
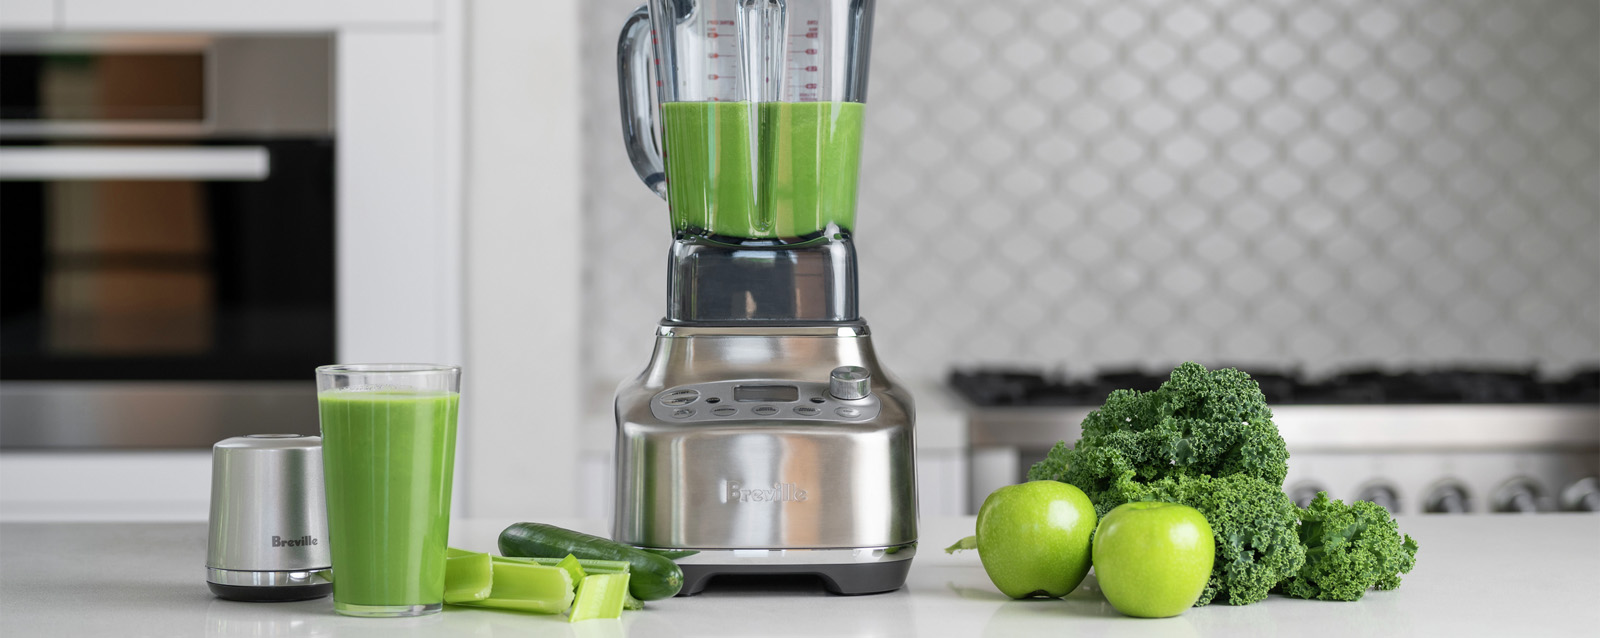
(638, 107)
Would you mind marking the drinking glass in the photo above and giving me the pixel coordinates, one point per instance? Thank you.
(388, 453)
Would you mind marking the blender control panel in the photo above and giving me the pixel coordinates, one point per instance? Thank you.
(760, 400)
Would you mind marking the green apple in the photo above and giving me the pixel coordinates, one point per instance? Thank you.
(1033, 538)
(1153, 559)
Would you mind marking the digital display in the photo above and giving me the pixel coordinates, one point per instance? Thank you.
(784, 393)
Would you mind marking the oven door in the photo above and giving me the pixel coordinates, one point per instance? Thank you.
(163, 295)
(167, 236)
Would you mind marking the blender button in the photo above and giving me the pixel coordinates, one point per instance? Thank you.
(807, 411)
(848, 413)
(765, 410)
(680, 397)
(682, 413)
(725, 411)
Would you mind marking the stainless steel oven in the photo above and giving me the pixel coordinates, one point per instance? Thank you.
(1443, 441)
(167, 237)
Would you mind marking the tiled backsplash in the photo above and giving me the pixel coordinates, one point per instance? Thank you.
(1082, 183)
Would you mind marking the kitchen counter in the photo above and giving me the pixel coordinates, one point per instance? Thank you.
(1476, 575)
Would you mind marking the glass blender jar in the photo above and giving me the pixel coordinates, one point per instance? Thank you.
(759, 106)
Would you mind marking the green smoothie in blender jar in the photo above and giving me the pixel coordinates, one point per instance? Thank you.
(803, 176)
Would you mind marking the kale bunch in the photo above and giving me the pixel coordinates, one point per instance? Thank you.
(1205, 439)
(1349, 549)
(1198, 423)
(1253, 522)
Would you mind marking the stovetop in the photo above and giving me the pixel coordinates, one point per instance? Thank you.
(1000, 387)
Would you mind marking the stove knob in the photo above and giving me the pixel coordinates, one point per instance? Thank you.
(1517, 496)
(1385, 495)
(850, 383)
(1582, 496)
(1449, 498)
(1303, 493)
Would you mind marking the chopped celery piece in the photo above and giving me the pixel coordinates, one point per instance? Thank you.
(599, 596)
(452, 552)
(468, 576)
(632, 604)
(536, 588)
(589, 565)
(570, 563)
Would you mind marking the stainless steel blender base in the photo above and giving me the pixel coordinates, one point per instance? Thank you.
(747, 445)
(848, 572)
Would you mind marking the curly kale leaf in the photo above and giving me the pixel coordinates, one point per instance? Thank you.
(1349, 549)
(1198, 423)
(1054, 465)
(1254, 525)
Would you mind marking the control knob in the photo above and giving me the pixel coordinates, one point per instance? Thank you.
(850, 383)
(1517, 496)
(1449, 498)
(1385, 495)
(1582, 496)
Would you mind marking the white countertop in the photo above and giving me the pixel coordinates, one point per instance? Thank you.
(1476, 575)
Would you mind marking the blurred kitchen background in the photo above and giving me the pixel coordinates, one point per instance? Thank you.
(1390, 211)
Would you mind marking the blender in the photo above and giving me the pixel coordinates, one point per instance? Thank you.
(764, 436)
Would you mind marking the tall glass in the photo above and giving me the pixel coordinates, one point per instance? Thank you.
(388, 454)
(760, 106)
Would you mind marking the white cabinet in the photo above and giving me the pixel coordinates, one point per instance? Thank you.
(28, 15)
(402, 148)
(399, 260)
(243, 15)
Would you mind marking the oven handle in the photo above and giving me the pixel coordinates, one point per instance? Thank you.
(233, 163)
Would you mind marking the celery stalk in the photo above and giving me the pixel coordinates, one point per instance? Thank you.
(632, 604)
(522, 587)
(570, 563)
(599, 596)
(468, 576)
(589, 565)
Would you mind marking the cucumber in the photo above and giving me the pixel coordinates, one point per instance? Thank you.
(654, 577)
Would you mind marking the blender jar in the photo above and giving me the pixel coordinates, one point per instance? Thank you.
(759, 105)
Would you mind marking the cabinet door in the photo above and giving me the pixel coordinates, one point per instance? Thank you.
(253, 15)
(28, 15)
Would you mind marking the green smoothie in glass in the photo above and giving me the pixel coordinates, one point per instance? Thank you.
(388, 457)
(796, 179)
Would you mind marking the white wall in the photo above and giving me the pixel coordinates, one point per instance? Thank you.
(1082, 184)
(523, 375)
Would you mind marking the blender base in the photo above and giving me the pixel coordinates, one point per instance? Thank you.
(743, 450)
(845, 579)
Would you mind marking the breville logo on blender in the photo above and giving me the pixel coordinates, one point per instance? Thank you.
(303, 541)
(780, 493)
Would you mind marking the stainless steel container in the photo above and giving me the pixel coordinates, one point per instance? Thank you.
(269, 521)
(778, 450)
